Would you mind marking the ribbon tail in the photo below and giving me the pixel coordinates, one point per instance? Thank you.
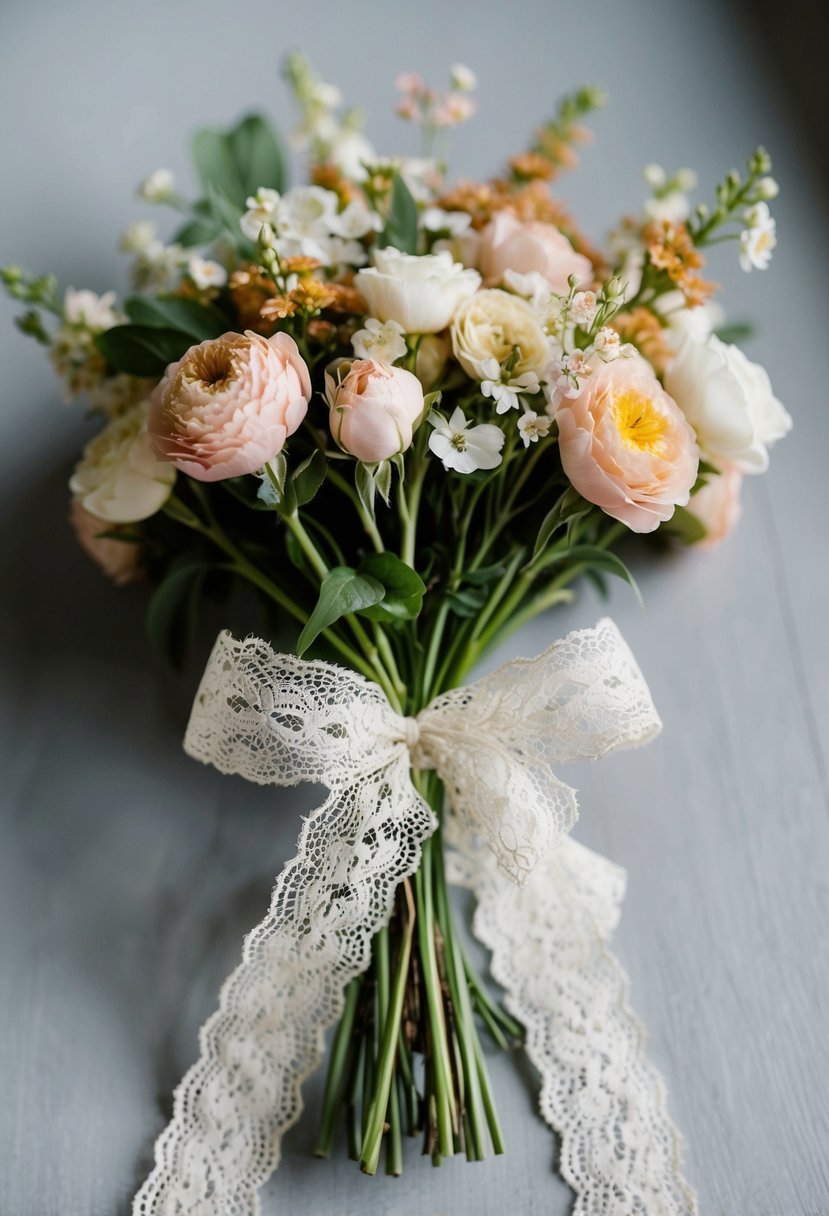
(241, 1096)
(620, 1152)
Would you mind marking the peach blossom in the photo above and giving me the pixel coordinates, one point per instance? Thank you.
(228, 405)
(524, 247)
(120, 560)
(717, 505)
(374, 408)
(626, 445)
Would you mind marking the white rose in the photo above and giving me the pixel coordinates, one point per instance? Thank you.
(729, 402)
(421, 293)
(119, 478)
(683, 322)
(489, 326)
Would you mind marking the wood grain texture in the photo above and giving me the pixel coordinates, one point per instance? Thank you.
(128, 875)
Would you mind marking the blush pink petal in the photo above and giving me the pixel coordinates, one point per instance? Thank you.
(524, 247)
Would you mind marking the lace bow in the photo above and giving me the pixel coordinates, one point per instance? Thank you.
(276, 719)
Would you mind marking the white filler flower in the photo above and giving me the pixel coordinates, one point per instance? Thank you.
(463, 447)
(380, 340)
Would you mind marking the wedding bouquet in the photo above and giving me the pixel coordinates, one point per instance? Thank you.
(410, 413)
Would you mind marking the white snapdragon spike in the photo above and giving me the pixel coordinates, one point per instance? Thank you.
(206, 273)
(464, 447)
(158, 187)
(583, 308)
(758, 239)
(262, 208)
(435, 219)
(380, 340)
(533, 426)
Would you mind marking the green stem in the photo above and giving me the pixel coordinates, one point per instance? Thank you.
(338, 1068)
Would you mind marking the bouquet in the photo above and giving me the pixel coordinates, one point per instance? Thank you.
(411, 413)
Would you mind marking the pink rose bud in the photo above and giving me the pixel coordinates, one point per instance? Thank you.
(120, 560)
(228, 405)
(717, 505)
(626, 445)
(508, 243)
(374, 409)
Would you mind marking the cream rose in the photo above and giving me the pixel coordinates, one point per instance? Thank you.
(228, 405)
(374, 408)
(717, 505)
(489, 326)
(625, 444)
(729, 402)
(420, 293)
(120, 560)
(524, 247)
(119, 477)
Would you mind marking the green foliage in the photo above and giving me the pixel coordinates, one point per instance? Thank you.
(685, 527)
(309, 477)
(142, 350)
(237, 162)
(737, 331)
(343, 591)
(403, 589)
(200, 321)
(401, 225)
(569, 507)
(172, 613)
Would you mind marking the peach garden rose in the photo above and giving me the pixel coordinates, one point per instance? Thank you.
(228, 405)
(374, 408)
(626, 445)
(527, 247)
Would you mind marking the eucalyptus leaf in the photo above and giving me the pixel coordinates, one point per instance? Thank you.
(598, 559)
(343, 591)
(142, 350)
(216, 164)
(199, 231)
(258, 154)
(401, 225)
(404, 588)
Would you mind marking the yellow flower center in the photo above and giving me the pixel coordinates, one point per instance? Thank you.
(640, 423)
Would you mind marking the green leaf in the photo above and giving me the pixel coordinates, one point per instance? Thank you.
(343, 591)
(467, 602)
(172, 611)
(142, 350)
(227, 214)
(364, 482)
(216, 164)
(484, 575)
(738, 331)
(685, 527)
(309, 477)
(404, 588)
(401, 225)
(197, 232)
(258, 154)
(599, 559)
(200, 321)
(382, 480)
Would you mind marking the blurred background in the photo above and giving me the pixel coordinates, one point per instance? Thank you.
(128, 875)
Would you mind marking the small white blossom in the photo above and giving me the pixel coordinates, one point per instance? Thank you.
(89, 311)
(139, 237)
(758, 239)
(158, 187)
(355, 221)
(505, 394)
(156, 267)
(608, 344)
(566, 374)
(383, 342)
(435, 219)
(655, 176)
(767, 187)
(583, 308)
(261, 210)
(533, 427)
(463, 447)
(463, 78)
(206, 273)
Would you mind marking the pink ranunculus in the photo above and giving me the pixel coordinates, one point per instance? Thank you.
(228, 405)
(717, 505)
(374, 409)
(524, 247)
(626, 445)
(120, 560)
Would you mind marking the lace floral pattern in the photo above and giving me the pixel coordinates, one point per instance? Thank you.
(276, 719)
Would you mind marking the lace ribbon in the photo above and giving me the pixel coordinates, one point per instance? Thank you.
(544, 910)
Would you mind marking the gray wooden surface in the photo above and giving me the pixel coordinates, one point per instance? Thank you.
(129, 874)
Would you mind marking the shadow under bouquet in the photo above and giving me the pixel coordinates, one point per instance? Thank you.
(410, 413)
